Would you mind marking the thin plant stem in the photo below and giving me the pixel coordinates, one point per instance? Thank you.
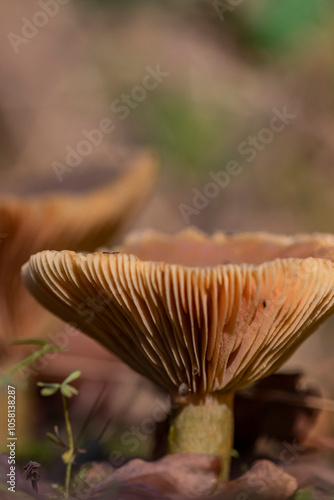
(123, 410)
(71, 447)
(94, 409)
(28, 361)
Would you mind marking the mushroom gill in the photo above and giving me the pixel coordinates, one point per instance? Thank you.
(201, 331)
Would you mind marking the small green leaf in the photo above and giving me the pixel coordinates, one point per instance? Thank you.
(59, 490)
(72, 376)
(68, 391)
(304, 494)
(67, 457)
(55, 440)
(48, 385)
(49, 391)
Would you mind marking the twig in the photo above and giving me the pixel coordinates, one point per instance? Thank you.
(30, 472)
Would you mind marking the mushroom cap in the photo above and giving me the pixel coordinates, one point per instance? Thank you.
(192, 247)
(81, 221)
(213, 327)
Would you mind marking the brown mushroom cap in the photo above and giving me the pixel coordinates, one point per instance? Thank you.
(78, 221)
(192, 247)
(213, 327)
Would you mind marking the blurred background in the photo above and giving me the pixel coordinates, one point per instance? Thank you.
(207, 85)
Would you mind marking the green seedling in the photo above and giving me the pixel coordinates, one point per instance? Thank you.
(66, 391)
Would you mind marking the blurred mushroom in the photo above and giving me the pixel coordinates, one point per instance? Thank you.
(81, 221)
(178, 315)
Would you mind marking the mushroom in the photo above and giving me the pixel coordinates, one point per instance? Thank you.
(81, 221)
(200, 316)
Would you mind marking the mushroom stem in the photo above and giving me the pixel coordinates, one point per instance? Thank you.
(204, 424)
